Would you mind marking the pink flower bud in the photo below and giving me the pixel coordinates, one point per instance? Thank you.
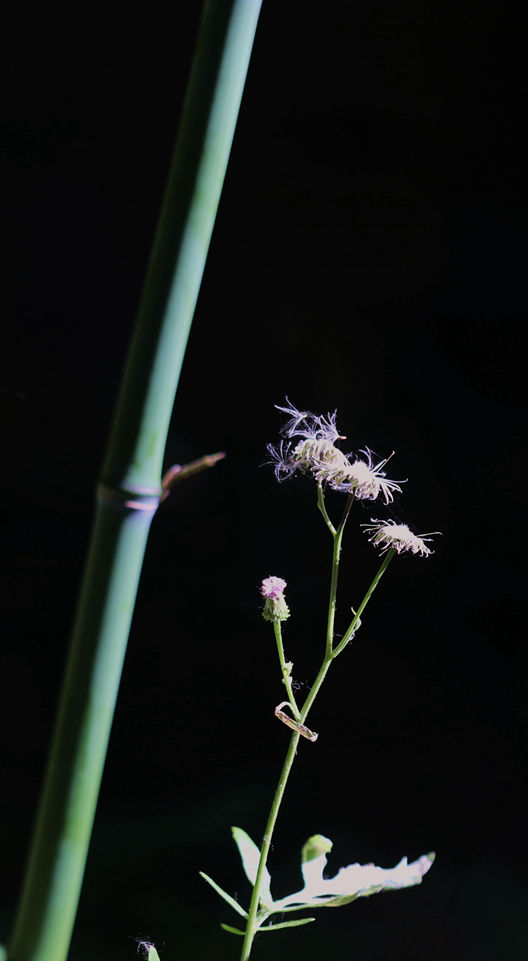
(275, 607)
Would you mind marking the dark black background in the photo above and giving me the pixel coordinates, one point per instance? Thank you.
(366, 257)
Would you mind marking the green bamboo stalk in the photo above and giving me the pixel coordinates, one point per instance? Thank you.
(130, 485)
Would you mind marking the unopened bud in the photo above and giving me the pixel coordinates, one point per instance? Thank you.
(275, 606)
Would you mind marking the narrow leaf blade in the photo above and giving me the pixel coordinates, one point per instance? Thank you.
(223, 894)
(286, 924)
(227, 927)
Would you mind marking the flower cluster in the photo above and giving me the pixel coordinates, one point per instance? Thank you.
(389, 534)
(314, 452)
(308, 446)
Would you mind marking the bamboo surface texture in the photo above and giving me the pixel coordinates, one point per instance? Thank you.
(130, 484)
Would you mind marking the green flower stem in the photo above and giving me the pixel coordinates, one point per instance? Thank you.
(345, 639)
(338, 539)
(286, 675)
(254, 918)
(254, 921)
(355, 620)
(130, 487)
(322, 507)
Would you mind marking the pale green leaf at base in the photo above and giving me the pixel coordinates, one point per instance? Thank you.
(3, 953)
(223, 894)
(354, 881)
(153, 954)
(250, 855)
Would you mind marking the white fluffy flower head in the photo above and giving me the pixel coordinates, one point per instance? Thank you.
(315, 453)
(314, 449)
(389, 534)
(368, 480)
(310, 426)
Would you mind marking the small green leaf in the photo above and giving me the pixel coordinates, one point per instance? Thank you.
(287, 924)
(3, 953)
(223, 894)
(227, 927)
(315, 846)
(250, 855)
(153, 954)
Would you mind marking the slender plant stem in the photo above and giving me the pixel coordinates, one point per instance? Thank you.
(286, 670)
(338, 540)
(344, 641)
(130, 484)
(254, 920)
(357, 614)
(322, 507)
(252, 924)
